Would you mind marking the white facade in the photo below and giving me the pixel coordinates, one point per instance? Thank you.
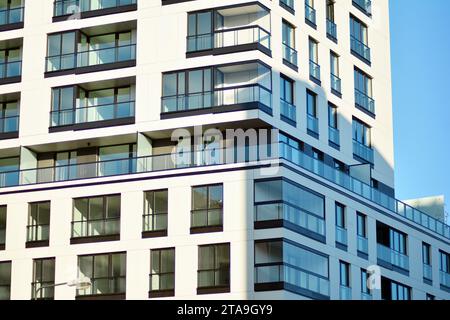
(159, 32)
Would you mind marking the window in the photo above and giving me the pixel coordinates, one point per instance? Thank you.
(10, 63)
(430, 297)
(162, 272)
(361, 221)
(340, 215)
(200, 29)
(213, 268)
(426, 253)
(106, 271)
(314, 68)
(365, 290)
(391, 290)
(12, 11)
(43, 279)
(332, 116)
(334, 64)
(155, 211)
(207, 208)
(38, 228)
(341, 225)
(311, 103)
(344, 276)
(310, 13)
(9, 116)
(330, 10)
(361, 133)
(288, 39)
(61, 51)
(287, 107)
(288, 5)
(5, 280)
(2, 227)
(96, 217)
(363, 83)
(359, 39)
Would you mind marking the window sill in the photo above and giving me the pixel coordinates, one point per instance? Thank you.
(206, 229)
(111, 296)
(161, 293)
(81, 240)
(93, 125)
(11, 26)
(154, 234)
(213, 290)
(96, 13)
(37, 244)
(9, 135)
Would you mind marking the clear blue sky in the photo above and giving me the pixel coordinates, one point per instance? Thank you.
(420, 49)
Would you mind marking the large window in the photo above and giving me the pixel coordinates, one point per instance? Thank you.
(96, 216)
(391, 290)
(344, 281)
(359, 38)
(162, 272)
(10, 63)
(43, 279)
(363, 84)
(106, 271)
(314, 68)
(38, 229)
(200, 29)
(61, 51)
(311, 104)
(9, 116)
(207, 208)
(288, 39)
(332, 116)
(444, 268)
(11, 11)
(287, 107)
(366, 292)
(341, 224)
(5, 280)
(361, 133)
(213, 268)
(155, 212)
(2, 227)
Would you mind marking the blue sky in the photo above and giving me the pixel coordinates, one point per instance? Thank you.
(420, 49)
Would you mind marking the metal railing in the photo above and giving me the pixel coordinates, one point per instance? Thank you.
(331, 29)
(365, 5)
(310, 14)
(314, 70)
(364, 101)
(313, 124)
(334, 135)
(218, 97)
(10, 69)
(393, 257)
(363, 151)
(341, 235)
(362, 244)
(9, 124)
(95, 227)
(345, 293)
(335, 83)
(101, 112)
(290, 54)
(12, 15)
(360, 48)
(284, 272)
(67, 7)
(154, 222)
(290, 213)
(288, 110)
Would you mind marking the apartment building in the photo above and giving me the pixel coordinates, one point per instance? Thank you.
(292, 197)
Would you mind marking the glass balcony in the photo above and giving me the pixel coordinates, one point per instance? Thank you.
(67, 7)
(314, 70)
(335, 83)
(334, 136)
(364, 5)
(444, 278)
(331, 29)
(345, 293)
(310, 14)
(363, 245)
(427, 272)
(363, 151)
(10, 69)
(292, 275)
(97, 227)
(290, 54)
(341, 235)
(313, 124)
(290, 213)
(11, 16)
(393, 257)
(288, 110)
(9, 124)
(240, 36)
(364, 101)
(92, 114)
(359, 48)
(106, 55)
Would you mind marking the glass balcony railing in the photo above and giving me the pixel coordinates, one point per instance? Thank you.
(154, 222)
(364, 101)
(366, 296)
(363, 151)
(10, 69)
(104, 286)
(223, 38)
(9, 124)
(12, 15)
(359, 48)
(290, 213)
(314, 70)
(335, 83)
(363, 244)
(92, 114)
(38, 233)
(334, 136)
(427, 272)
(345, 293)
(290, 54)
(310, 14)
(97, 227)
(206, 218)
(393, 257)
(331, 29)
(313, 124)
(444, 278)
(66, 7)
(219, 97)
(283, 272)
(288, 110)
(365, 5)
(358, 187)
(341, 235)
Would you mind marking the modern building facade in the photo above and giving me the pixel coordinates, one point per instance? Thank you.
(92, 183)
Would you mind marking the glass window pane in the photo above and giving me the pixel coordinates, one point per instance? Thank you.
(96, 208)
(215, 197)
(199, 198)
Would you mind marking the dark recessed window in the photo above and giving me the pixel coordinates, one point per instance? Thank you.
(38, 229)
(2, 226)
(155, 211)
(43, 279)
(162, 272)
(5, 280)
(213, 268)
(207, 208)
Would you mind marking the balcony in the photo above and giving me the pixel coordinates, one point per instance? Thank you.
(363, 245)
(360, 49)
(363, 152)
(331, 30)
(341, 236)
(392, 257)
(336, 85)
(334, 136)
(364, 5)
(310, 16)
(288, 112)
(444, 279)
(427, 272)
(365, 102)
(237, 29)
(290, 57)
(345, 293)
(314, 72)
(313, 124)
(293, 217)
(12, 17)
(64, 9)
